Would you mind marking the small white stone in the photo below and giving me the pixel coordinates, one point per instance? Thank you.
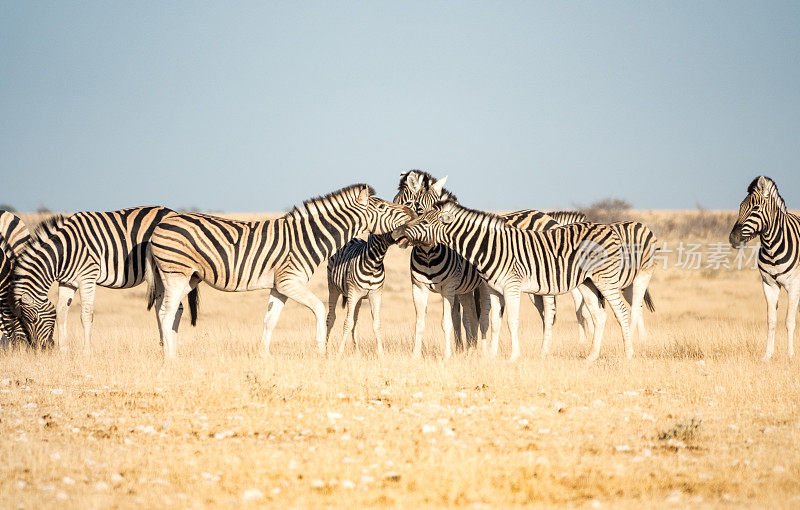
(429, 429)
(101, 486)
(631, 393)
(622, 448)
(252, 495)
(68, 481)
(117, 478)
(334, 416)
(62, 496)
(674, 497)
(57, 391)
(595, 503)
(55, 456)
(347, 484)
(778, 469)
(558, 407)
(366, 479)
(317, 483)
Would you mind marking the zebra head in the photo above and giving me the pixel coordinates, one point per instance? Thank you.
(757, 211)
(38, 320)
(383, 216)
(429, 229)
(421, 191)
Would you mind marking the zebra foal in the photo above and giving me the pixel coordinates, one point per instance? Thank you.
(763, 214)
(279, 254)
(513, 261)
(354, 272)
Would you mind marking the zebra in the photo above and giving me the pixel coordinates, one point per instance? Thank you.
(13, 231)
(584, 255)
(80, 252)
(354, 272)
(279, 254)
(440, 269)
(763, 214)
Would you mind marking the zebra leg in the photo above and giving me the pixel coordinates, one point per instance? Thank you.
(300, 293)
(485, 305)
(494, 319)
(585, 325)
(591, 302)
(420, 295)
(791, 313)
(175, 288)
(455, 320)
(348, 331)
(274, 307)
(333, 300)
(87, 290)
(447, 322)
(375, 308)
(470, 318)
(512, 310)
(771, 293)
(622, 312)
(548, 318)
(65, 295)
(638, 288)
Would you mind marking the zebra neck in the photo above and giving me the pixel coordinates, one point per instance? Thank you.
(327, 231)
(377, 246)
(773, 238)
(470, 236)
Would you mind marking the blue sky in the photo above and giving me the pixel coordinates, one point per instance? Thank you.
(256, 106)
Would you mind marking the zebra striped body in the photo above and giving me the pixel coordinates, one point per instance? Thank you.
(354, 272)
(80, 252)
(763, 214)
(513, 261)
(440, 269)
(279, 254)
(13, 231)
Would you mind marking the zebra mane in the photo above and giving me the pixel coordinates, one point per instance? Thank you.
(427, 181)
(487, 219)
(572, 216)
(304, 208)
(770, 190)
(46, 229)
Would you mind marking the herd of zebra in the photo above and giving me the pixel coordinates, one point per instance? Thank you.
(479, 262)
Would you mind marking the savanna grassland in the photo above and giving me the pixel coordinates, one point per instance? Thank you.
(695, 419)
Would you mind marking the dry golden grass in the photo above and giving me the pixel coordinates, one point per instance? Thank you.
(695, 419)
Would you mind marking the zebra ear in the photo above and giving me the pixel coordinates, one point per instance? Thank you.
(26, 299)
(414, 182)
(363, 196)
(438, 186)
(763, 186)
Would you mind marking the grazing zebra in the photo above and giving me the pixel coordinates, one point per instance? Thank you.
(354, 272)
(79, 252)
(280, 254)
(763, 214)
(440, 269)
(13, 231)
(513, 261)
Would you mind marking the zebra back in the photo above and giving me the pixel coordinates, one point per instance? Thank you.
(108, 247)
(234, 255)
(13, 231)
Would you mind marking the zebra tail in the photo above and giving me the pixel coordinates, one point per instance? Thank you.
(194, 305)
(648, 300)
(150, 277)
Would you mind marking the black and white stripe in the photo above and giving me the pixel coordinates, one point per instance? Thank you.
(763, 214)
(79, 252)
(354, 272)
(13, 231)
(279, 254)
(514, 261)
